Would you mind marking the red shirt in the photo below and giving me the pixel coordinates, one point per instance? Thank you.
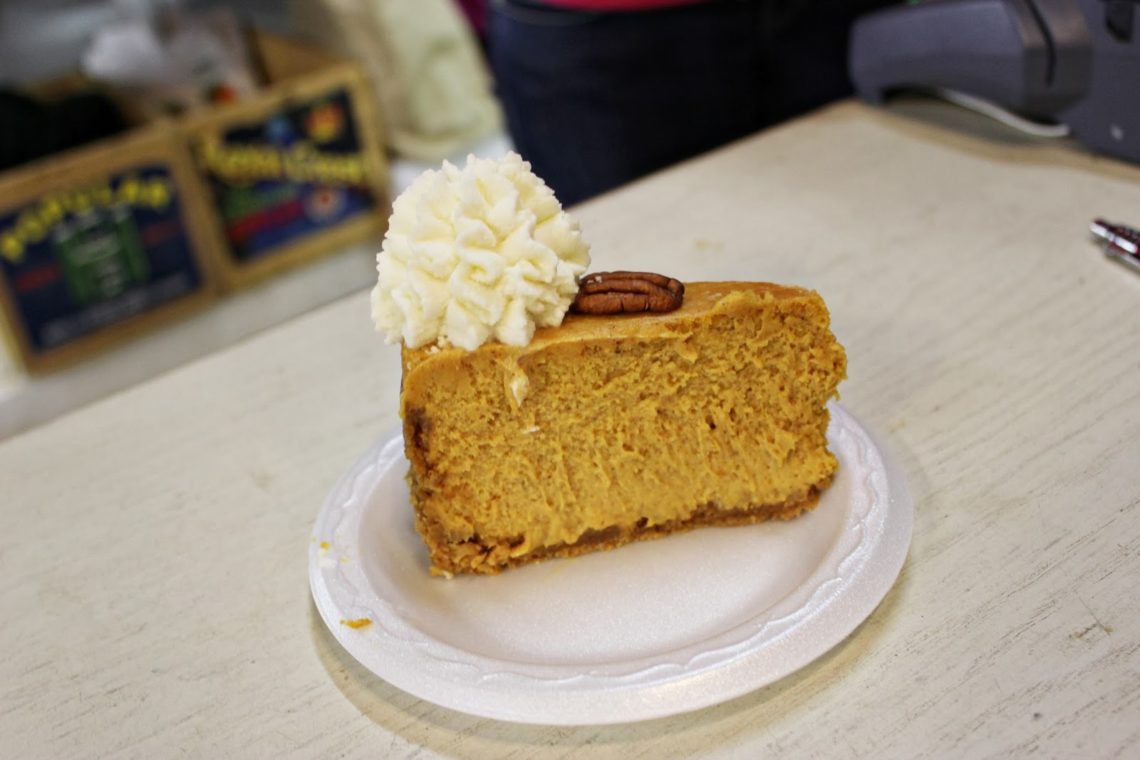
(618, 5)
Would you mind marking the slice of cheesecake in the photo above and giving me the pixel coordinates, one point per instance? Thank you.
(611, 429)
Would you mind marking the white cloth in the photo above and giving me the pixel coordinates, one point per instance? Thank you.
(432, 83)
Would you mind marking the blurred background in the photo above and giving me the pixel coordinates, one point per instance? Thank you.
(108, 297)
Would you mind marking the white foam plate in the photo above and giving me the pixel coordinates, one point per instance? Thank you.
(652, 629)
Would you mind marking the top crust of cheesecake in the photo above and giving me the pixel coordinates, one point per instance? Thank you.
(702, 299)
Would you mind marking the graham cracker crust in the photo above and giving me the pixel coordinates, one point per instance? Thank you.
(708, 515)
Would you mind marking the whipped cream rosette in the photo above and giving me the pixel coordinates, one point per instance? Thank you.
(475, 254)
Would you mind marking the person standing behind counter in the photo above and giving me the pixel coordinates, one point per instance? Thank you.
(600, 92)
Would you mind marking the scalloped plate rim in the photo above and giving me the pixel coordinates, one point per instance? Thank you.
(446, 675)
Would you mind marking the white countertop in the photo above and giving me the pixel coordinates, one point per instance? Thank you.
(153, 545)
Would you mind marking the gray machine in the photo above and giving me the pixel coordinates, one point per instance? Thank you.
(1070, 62)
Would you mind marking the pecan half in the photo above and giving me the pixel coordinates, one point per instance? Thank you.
(626, 292)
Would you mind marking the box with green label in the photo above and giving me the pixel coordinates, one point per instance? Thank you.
(100, 244)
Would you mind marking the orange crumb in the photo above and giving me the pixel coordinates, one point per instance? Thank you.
(323, 544)
(358, 623)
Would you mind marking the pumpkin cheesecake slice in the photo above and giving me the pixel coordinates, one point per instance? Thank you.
(533, 431)
(606, 430)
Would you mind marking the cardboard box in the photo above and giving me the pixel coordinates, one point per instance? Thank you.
(100, 244)
(296, 171)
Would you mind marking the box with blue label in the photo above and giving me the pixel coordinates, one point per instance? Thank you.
(100, 244)
(295, 172)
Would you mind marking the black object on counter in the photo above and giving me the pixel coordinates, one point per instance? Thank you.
(1071, 62)
(31, 129)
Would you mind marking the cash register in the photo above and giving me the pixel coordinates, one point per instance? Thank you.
(1061, 66)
